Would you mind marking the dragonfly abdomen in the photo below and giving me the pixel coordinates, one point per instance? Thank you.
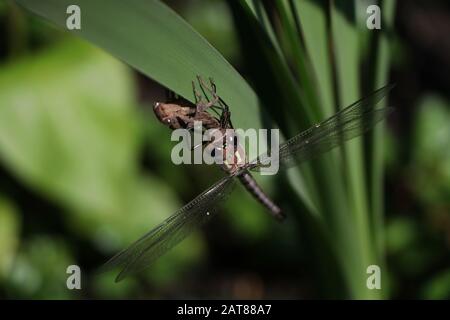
(252, 186)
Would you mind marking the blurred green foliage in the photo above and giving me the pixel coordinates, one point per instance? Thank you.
(9, 236)
(431, 165)
(418, 238)
(69, 130)
(36, 273)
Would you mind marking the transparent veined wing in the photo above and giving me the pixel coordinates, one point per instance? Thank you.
(346, 124)
(169, 233)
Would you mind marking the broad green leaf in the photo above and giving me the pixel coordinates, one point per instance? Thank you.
(212, 19)
(154, 40)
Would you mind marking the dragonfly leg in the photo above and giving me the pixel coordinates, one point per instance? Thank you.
(216, 104)
(197, 94)
(211, 88)
(202, 106)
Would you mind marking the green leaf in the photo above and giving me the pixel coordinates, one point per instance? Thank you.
(344, 35)
(312, 17)
(378, 59)
(153, 39)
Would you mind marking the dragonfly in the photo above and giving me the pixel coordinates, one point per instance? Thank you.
(180, 113)
(322, 137)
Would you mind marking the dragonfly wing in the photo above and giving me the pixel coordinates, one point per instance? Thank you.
(322, 141)
(346, 124)
(169, 233)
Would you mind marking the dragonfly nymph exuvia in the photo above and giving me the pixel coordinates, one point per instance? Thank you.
(346, 124)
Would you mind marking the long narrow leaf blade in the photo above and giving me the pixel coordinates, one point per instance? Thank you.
(153, 39)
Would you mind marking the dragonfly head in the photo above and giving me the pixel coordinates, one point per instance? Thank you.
(171, 114)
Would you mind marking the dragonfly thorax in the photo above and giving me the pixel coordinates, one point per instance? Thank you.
(225, 145)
